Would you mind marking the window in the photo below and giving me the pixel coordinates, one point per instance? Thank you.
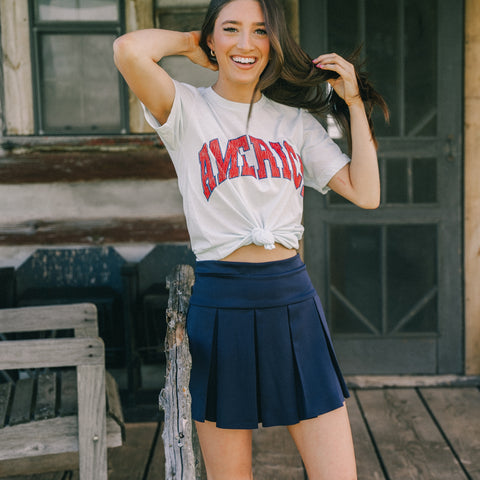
(77, 88)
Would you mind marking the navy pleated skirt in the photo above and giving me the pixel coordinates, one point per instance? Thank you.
(261, 350)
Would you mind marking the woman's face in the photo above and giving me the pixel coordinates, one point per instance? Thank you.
(241, 46)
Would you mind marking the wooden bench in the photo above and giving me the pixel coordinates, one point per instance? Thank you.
(57, 418)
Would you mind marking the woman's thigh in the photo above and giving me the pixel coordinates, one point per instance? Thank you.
(227, 453)
(326, 446)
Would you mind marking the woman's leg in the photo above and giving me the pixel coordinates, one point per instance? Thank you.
(227, 453)
(326, 446)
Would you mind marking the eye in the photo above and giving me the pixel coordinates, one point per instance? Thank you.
(229, 29)
(261, 31)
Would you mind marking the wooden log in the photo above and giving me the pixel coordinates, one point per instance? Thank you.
(182, 453)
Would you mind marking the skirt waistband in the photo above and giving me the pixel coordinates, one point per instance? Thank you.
(250, 285)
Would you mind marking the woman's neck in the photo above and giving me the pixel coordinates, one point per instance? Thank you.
(237, 93)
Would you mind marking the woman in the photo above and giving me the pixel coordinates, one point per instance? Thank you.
(243, 150)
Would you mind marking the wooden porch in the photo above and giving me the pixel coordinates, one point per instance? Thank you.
(417, 432)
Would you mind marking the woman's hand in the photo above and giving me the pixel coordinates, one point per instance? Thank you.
(345, 85)
(197, 55)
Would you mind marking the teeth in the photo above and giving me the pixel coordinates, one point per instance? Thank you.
(243, 60)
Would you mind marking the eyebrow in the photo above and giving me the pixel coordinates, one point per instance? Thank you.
(236, 22)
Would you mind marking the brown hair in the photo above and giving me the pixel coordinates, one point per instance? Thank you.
(290, 76)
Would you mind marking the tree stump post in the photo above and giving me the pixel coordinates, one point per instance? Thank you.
(183, 459)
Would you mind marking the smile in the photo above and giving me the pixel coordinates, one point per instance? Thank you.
(244, 60)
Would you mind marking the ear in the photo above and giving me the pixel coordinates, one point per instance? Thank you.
(210, 42)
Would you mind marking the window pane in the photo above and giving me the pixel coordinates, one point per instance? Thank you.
(77, 10)
(412, 278)
(424, 180)
(80, 90)
(355, 273)
(420, 67)
(343, 26)
(382, 31)
(397, 180)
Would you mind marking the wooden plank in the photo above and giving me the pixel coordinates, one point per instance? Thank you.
(457, 411)
(46, 396)
(55, 435)
(22, 401)
(410, 381)
(368, 465)
(157, 463)
(45, 437)
(50, 317)
(68, 393)
(171, 228)
(409, 443)
(41, 476)
(275, 456)
(92, 426)
(129, 462)
(59, 352)
(142, 162)
(5, 395)
(25, 466)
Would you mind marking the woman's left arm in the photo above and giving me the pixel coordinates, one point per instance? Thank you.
(359, 181)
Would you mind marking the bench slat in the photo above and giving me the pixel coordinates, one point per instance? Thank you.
(5, 393)
(57, 317)
(22, 401)
(45, 437)
(68, 397)
(59, 352)
(46, 396)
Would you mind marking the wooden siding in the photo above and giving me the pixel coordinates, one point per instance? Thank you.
(472, 187)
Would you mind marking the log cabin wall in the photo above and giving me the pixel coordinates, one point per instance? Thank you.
(67, 191)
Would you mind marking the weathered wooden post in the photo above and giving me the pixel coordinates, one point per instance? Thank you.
(182, 451)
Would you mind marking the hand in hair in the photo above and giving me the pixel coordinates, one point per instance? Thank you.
(197, 55)
(345, 85)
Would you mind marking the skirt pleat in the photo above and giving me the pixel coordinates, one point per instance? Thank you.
(260, 346)
(272, 325)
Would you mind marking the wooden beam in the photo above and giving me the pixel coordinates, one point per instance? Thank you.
(95, 232)
(472, 187)
(83, 166)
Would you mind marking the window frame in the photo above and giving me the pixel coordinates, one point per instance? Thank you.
(86, 27)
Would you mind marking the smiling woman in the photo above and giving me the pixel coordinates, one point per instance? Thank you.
(244, 149)
(239, 45)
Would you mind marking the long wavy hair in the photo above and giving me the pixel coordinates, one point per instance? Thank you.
(292, 79)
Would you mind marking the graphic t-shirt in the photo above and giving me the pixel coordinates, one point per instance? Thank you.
(244, 183)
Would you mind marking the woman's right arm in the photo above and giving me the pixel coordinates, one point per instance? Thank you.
(136, 55)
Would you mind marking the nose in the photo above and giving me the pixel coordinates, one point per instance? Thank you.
(244, 41)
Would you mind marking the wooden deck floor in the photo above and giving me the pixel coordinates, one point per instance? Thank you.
(417, 433)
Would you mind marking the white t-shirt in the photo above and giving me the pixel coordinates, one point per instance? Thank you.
(244, 184)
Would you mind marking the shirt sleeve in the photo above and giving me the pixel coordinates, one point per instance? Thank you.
(321, 156)
(171, 132)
